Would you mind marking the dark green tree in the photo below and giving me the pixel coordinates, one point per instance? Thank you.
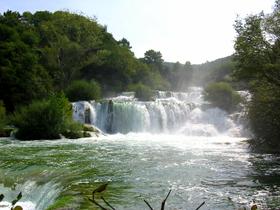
(222, 95)
(153, 57)
(81, 90)
(258, 60)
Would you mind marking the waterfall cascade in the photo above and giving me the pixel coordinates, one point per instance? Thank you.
(171, 112)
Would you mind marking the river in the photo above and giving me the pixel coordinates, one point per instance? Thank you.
(201, 154)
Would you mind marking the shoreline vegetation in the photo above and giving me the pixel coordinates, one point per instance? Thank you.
(49, 58)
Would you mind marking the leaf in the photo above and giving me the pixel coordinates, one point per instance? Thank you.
(14, 202)
(1, 197)
(19, 196)
(101, 188)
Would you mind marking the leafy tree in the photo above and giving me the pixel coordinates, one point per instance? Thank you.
(153, 57)
(219, 70)
(264, 115)
(2, 116)
(258, 57)
(22, 78)
(45, 52)
(45, 119)
(124, 43)
(222, 95)
(83, 90)
(142, 92)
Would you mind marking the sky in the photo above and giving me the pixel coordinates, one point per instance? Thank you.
(182, 30)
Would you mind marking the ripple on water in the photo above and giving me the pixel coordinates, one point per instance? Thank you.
(142, 166)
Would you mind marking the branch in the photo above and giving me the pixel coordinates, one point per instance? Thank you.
(97, 204)
(163, 202)
(148, 205)
(272, 79)
(108, 204)
(200, 205)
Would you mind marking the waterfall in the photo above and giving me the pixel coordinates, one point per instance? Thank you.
(171, 112)
(35, 196)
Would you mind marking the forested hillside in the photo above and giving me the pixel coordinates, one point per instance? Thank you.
(46, 52)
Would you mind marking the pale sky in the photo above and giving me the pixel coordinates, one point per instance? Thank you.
(182, 30)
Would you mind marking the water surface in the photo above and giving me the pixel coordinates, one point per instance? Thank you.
(218, 170)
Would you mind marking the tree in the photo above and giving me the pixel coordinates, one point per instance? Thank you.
(2, 116)
(142, 92)
(258, 60)
(45, 119)
(257, 47)
(22, 78)
(222, 95)
(153, 57)
(45, 52)
(81, 90)
(124, 43)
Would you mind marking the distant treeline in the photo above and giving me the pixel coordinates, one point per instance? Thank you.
(46, 52)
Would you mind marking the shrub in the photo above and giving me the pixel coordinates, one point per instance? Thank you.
(142, 92)
(2, 117)
(264, 116)
(82, 90)
(222, 95)
(44, 119)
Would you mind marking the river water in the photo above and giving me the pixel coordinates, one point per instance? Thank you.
(204, 157)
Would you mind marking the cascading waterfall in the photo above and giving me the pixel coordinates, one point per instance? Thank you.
(177, 140)
(171, 112)
(35, 196)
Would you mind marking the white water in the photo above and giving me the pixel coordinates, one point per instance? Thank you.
(176, 134)
(171, 113)
(35, 197)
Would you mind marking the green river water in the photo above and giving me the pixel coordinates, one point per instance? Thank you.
(61, 174)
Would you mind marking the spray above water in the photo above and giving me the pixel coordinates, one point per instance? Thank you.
(171, 113)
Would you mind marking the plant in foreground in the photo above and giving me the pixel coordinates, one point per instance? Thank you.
(103, 187)
(13, 207)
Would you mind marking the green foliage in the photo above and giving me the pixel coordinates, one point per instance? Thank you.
(44, 119)
(5, 130)
(46, 52)
(142, 92)
(258, 57)
(13, 202)
(222, 95)
(258, 47)
(178, 75)
(153, 57)
(81, 90)
(2, 116)
(215, 71)
(22, 78)
(264, 115)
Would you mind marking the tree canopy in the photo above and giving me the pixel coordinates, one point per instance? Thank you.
(45, 52)
(258, 62)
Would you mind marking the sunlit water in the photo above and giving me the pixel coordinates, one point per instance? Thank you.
(175, 142)
(140, 166)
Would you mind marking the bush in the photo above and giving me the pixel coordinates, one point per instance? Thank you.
(82, 90)
(264, 116)
(142, 92)
(222, 95)
(45, 119)
(2, 118)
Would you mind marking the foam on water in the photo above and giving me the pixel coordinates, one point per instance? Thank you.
(35, 196)
(171, 113)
